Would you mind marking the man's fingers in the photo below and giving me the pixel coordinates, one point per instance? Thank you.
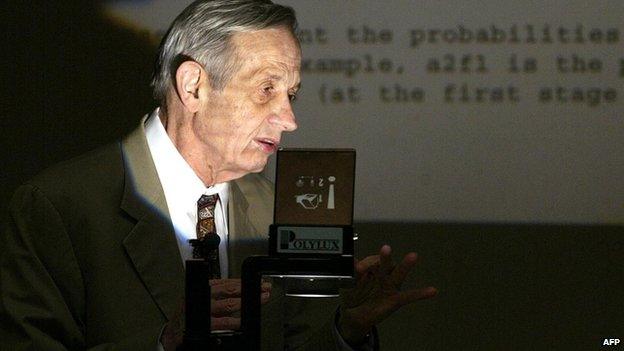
(266, 286)
(380, 265)
(225, 323)
(398, 275)
(405, 297)
(224, 307)
(224, 288)
(366, 264)
(214, 282)
(385, 261)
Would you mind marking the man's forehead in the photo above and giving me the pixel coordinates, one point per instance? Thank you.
(268, 53)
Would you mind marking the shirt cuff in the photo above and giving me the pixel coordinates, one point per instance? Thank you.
(371, 342)
(160, 346)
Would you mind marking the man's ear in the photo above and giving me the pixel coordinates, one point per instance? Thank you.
(188, 79)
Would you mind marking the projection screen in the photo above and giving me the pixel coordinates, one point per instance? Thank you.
(490, 111)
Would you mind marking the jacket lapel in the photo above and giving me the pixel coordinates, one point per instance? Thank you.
(248, 235)
(151, 245)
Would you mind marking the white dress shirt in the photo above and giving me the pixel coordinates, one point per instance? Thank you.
(182, 188)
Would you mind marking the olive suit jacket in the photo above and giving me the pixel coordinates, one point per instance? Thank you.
(89, 258)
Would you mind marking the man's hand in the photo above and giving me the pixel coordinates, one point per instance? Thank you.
(224, 307)
(226, 301)
(377, 294)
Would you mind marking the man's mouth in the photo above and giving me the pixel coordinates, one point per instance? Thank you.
(267, 145)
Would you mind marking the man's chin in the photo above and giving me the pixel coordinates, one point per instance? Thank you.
(259, 166)
(254, 165)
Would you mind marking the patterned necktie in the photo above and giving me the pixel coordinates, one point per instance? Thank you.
(207, 234)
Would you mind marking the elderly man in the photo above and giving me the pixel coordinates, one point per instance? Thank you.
(93, 252)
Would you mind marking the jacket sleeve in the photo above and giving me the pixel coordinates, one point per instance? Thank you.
(42, 295)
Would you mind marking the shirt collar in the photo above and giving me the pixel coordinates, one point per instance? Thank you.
(179, 181)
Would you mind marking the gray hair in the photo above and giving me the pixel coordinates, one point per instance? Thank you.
(202, 33)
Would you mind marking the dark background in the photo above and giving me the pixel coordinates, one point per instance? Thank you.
(73, 81)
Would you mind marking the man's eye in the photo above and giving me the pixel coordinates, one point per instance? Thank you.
(267, 90)
(292, 97)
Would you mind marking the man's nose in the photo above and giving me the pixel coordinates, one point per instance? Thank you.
(285, 116)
